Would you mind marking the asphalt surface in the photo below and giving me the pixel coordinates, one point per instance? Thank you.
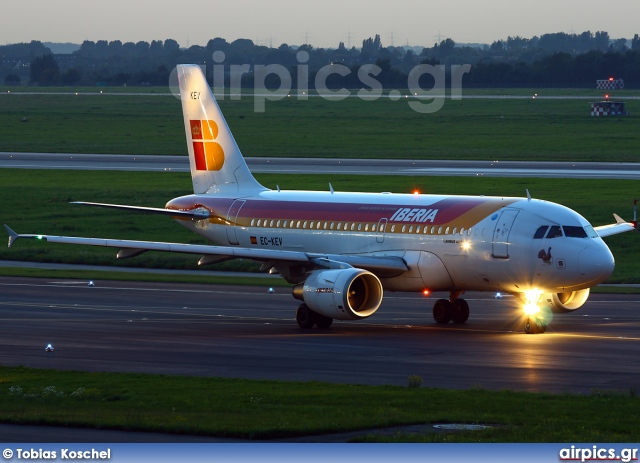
(330, 166)
(247, 332)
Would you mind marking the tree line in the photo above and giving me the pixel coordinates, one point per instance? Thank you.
(557, 59)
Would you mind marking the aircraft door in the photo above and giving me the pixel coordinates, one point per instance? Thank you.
(382, 227)
(504, 223)
(232, 217)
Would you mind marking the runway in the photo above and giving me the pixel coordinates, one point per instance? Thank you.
(245, 332)
(595, 170)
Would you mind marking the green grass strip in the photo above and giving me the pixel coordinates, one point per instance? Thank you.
(523, 129)
(269, 409)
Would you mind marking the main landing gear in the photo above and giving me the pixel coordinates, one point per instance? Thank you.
(307, 318)
(453, 309)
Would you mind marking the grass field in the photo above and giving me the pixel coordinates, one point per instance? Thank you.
(503, 129)
(37, 202)
(269, 409)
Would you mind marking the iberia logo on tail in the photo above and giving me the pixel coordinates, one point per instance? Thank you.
(209, 155)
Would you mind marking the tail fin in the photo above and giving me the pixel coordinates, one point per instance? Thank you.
(216, 162)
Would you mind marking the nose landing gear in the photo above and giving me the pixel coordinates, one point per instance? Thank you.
(533, 325)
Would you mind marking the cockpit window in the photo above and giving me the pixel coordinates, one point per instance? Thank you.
(591, 232)
(554, 232)
(540, 232)
(574, 232)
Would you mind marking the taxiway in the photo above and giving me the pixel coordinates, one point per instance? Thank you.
(245, 332)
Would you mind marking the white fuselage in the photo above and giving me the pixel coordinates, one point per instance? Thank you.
(448, 242)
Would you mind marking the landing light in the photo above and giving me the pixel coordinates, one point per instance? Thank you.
(466, 245)
(532, 298)
(426, 292)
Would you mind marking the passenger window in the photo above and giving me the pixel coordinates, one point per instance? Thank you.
(278, 224)
(439, 230)
(332, 224)
(404, 228)
(373, 227)
(393, 228)
(418, 229)
(353, 226)
(540, 232)
(411, 229)
(359, 226)
(366, 227)
(554, 232)
(252, 222)
(446, 232)
(455, 230)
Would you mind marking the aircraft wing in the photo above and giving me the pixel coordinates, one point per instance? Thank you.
(620, 226)
(195, 214)
(130, 248)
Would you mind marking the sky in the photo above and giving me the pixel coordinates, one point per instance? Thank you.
(324, 23)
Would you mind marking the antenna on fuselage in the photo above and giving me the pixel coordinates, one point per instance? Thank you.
(330, 188)
(528, 195)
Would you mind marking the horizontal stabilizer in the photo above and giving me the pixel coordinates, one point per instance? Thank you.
(197, 214)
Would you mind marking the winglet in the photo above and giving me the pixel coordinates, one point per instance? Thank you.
(620, 226)
(12, 235)
(615, 216)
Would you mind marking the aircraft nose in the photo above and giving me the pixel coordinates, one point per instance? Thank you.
(596, 262)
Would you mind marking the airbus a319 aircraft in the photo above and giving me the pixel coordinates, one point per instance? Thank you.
(342, 250)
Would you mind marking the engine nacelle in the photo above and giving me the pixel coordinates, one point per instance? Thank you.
(566, 302)
(343, 294)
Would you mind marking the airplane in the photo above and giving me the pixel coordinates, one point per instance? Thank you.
(341, 250)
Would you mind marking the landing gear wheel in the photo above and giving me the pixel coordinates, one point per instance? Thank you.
(442, 311)
(305, 317)
(322, 321)
(534, 326)
(460, 312)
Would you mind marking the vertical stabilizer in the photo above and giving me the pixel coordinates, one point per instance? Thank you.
(215, 159)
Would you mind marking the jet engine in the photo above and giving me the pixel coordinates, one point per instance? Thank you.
(567, 301)
(342, 294)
